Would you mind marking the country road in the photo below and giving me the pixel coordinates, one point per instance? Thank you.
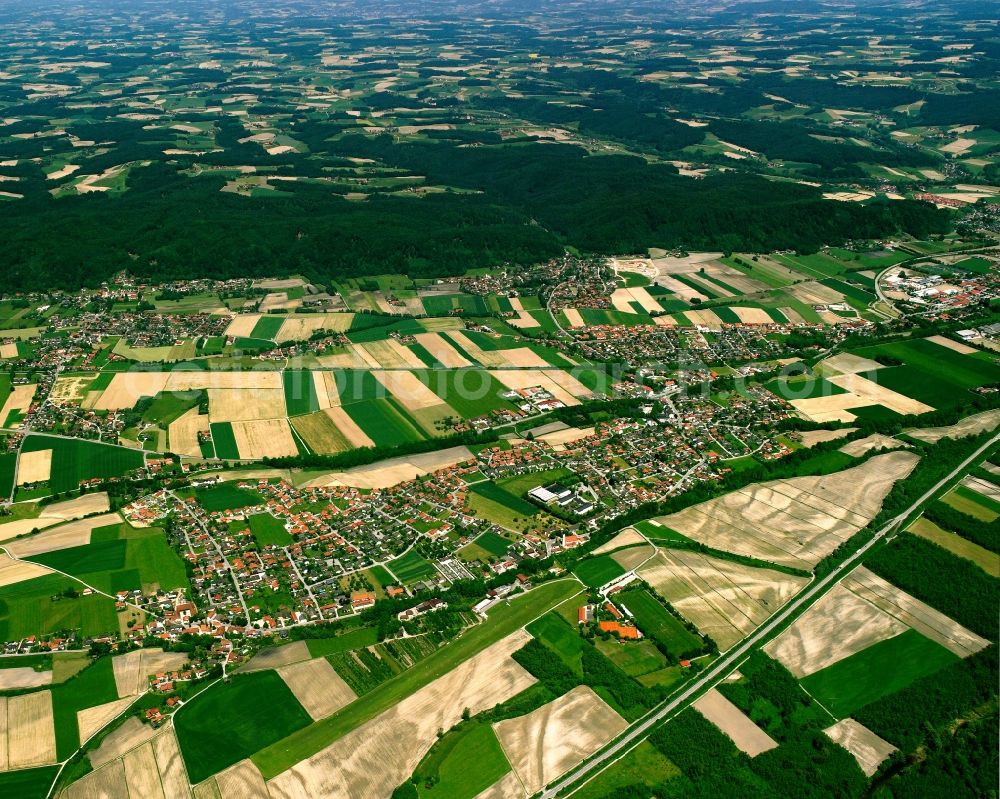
(729, 660)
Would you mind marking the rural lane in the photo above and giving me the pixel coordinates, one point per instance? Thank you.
(728, 661)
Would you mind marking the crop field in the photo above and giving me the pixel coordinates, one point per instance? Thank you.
(75, 460)
(368, 762)
(657, 623)
(300, 392)
(250, 712)
(448, 764)
(493, 543)
(502, 621)
(595, 572)
(320, 433)
(547, 742)
(40, 606)
(877, 671)
(557, 634)
(28, 783)
(502, 496)
(411, 567)
(317, 687)
(384, 422)
(724, 600)
(227, 496)
(352, 639)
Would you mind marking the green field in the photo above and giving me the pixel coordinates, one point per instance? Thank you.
(463, 764)
(411, 568)
(8, 465)
(168, 406)
(657, 622)
(267, 327)
(502, 621)
(75, 460)
(635, 658)
(521, 484)
(32, 783)
(504, 497)
(384, 422)
(225, 441)
(645, 765)
(877, 671)
(595, 572)
(40, 607)
(231, 721)
(267, 530)
(494, 544)
(300, 392)
(227, 496)
(95, 685)
(353, 639)
(559, 636)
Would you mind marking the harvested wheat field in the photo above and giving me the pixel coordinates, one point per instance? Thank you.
(914, 613)
(147, 769)
(879, 395)
(71, 534)
(724, 600)
(188, 381)
(126, 388)
(23, 677)
(19, 400)
(182, 433)
(445, 354)
(634, 557)
(574, 318)
(865, 445)
(320, 433)
(982, 487)
(242, 325)
(300, 327)
(794, 522)
(133, 668)
(391, 354)
(34, 467)
(522, 357)
(811, 438)
(319, 689)
(242, 781)
(507, 787)
(837, 626)
(244, 404)
(370, 761)
(130, 734)
(93, 719)
(15, 571)
(969, 426)
(519, 379)
(551, 740)
(393, 471)
(626, 538)
(11, 530)
(955, 346)
(81, 506)
(275, 657)
(753, 316)
(8, 350)
(348, 427)
(847, 364)
(868, 749)
(31, 737)
(264, 438)
(747, 736)
(559, 439)
(410, 390)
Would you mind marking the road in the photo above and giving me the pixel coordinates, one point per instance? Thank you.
(728, 661)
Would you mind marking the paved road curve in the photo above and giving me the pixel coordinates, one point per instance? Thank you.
(728, 661)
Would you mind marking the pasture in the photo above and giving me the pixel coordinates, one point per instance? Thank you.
(560, 637)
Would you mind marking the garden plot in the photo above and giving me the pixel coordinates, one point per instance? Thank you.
(747, 736)
(794, 522)
(34, 467)
(182, 433)
(73, 534)
(549, 741)
(370, 761)
(724, 600)
(319, 689)
(264, 438)
(837, 626)
(27, 731)
(914, 613)
(969, 426)
(245, 404)
(150, 769)
(868, 749)
(442, 352)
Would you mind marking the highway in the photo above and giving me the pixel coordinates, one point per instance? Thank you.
(730, 659)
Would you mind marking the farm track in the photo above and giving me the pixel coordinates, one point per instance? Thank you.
(641, 729)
